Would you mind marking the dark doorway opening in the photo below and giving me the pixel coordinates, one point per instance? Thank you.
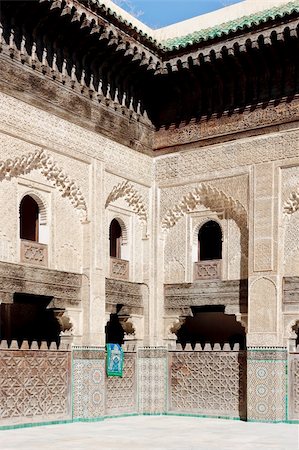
(210, 324)
(28, 318)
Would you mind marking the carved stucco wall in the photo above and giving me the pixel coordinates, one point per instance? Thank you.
(128, 202)
(290, 184)
(175, 253)
(8, 225)
(263, 315)
(61, 213)
(179, 239)
(230, 157)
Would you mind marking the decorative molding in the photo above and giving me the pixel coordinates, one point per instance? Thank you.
(131, 196)
(41, 160)
(227, 124)
(211, 198)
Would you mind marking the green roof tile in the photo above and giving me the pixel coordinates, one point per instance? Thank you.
(232, 26)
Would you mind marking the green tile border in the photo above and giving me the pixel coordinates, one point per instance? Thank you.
(170, 414)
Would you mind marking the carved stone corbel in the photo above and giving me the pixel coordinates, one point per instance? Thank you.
(133, 326)
(65, 322)
(66, 327)
(172, 324)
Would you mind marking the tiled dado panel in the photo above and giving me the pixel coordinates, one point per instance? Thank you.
(88, 383)
(34, 386)
(121, 393)
(152, 380)
(293, 386)
(266, 381)
(208, 383)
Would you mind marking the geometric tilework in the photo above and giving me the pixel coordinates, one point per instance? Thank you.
(294, 386)
(266, 381)
(208, 383)
(88, 388)
(121, 392)
(152, 381)
(34, 386)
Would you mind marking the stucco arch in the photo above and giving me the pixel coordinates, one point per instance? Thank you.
(131, 196)
(211, 198)
(41, 160)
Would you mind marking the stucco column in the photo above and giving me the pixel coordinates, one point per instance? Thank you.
(264, 280)
(93, 290)
(156, 272)
(266, 358)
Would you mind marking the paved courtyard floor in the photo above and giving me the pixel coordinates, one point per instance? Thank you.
(154, 433)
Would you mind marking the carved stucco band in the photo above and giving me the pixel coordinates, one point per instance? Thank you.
(40, 160)
(209, 197)
(132, 197)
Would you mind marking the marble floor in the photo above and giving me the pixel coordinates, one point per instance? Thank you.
(154, 433)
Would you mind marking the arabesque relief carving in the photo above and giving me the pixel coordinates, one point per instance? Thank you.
(41, 160)
(132, 197)
(211, 198)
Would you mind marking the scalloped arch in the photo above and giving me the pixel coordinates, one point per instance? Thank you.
(41, 160)
(210, 197)
(131, 196)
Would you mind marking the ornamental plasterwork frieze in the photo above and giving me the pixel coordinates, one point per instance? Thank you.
(227, 124)
(40, 160)
(209, 197)
(127, 191)
(230, 156)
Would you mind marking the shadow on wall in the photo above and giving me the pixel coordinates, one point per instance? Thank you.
(210, 324)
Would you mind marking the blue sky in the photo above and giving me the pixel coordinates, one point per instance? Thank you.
(159, 13)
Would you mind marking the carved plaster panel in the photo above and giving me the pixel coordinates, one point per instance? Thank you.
(41, 160)
(132, 197)
(211, 198)
(263, 306)
(226, 156)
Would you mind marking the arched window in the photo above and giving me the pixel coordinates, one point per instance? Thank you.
(210, 241)
(115, 235)
(29, 219)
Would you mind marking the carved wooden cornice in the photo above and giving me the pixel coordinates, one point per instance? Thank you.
(241, 121)
(87, 49)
